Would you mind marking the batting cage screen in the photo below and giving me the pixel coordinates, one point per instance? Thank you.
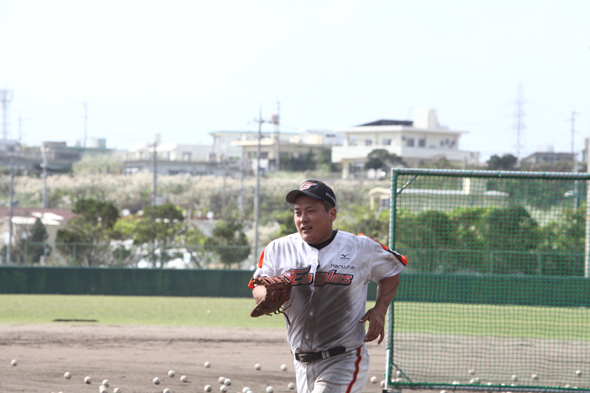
(496, 293)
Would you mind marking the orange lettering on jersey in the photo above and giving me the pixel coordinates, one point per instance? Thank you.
(321, 278)
(333, 278)
(300, 276)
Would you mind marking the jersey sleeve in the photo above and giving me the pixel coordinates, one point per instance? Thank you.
(384, 262)
(265, 265)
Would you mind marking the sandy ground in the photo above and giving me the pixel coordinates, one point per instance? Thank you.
(131, 356)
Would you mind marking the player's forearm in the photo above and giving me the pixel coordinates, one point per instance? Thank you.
(386, 290)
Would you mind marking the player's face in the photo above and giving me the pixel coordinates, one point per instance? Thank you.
(313, 222)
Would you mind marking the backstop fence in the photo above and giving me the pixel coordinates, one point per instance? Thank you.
(493, 253)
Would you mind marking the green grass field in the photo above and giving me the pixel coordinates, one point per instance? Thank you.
(437, 318)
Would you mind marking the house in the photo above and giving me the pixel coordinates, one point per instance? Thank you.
(547, 157)
(416, 142)
(223, 141)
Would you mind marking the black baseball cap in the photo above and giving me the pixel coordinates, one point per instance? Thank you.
(314, 189)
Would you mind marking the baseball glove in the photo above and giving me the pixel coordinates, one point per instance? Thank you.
(278, 291)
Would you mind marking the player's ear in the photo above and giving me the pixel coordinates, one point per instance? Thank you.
(333, 213)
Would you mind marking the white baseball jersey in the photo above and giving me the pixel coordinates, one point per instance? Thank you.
(329, 287)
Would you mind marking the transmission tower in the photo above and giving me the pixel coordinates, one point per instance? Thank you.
(519, 122)
(5, 98)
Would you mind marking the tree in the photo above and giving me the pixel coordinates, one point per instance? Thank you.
(505, 163)
(286, 222)
(159, 226)
(382, 159)
(229, 241)
(36, 246)
(83, 237)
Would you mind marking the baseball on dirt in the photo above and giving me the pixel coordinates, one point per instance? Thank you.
(291, 386)
(156, 381)
(227, 382)
(398, 374)
(103, 389)
(106, 383)
(207, 388)
(207, 364)
(171, 373)
(578, 373)
(223, 388)
(14, 362)
(443, 391)
(382, 384)
(221, 380)
(167, 391)
(117, 390)
(183, 378)
(374, 379)
(67, 375)
(284, 367)
(87, 380)
(515, 378)
(535, 377)
(257, 366)
(472, 372)
(567, 386)
(270, 389)
(245, 390)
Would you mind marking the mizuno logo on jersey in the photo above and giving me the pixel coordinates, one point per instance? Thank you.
(344, 256)
(304, 277)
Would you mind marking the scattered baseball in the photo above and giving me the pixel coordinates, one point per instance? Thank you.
(14, 362)
(291, 386)
(207, 388)
(106, 383)
(87, 380)
(443, 391)
(474, 381)
(489, 384)
(455, 382)
(245, 390)
(257, 366)
(227, 382)
(221, 380)
(208, 311)
(567, 386)
(515, 378)
(156, 381)
(472, 372)
(398, 374)
(171, 373)
(535, 377)
(103, 389)
(207, 364)
(374, 379)
(67, 375)
(578, 373)
(167, 391)
(382, 384)
(223, 388)
(284, 367)
(270, 389)
(117, 390)
(183, 378)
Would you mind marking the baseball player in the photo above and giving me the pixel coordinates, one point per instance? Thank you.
(329, 271)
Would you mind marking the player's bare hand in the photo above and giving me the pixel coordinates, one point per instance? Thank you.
(376, 321)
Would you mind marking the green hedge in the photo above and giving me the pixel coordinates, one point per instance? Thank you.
(489, 289)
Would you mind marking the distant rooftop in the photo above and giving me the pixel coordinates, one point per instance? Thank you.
(385, 122)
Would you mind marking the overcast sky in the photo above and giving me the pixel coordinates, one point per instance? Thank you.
(186, 68)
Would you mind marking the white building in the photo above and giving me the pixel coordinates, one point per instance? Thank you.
(170, 152)
(224, 146)
(415, 141)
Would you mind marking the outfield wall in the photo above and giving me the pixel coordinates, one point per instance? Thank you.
(497, 289)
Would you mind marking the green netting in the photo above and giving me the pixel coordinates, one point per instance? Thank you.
(496, 292)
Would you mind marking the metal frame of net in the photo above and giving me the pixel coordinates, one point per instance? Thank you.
(496, 293)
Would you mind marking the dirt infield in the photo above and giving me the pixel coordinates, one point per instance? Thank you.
(131, 356)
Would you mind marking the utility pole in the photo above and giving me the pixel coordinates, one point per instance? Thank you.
(575, 166)
(257, 190)
(241, 198)
(44, 153)
(11, 208)
(20, 129)
(519, 123)
(573, 120)
(155, 182)
(276, 119)
(85, 123)
(5, 98)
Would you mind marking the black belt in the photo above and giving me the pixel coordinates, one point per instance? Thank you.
(310, 357)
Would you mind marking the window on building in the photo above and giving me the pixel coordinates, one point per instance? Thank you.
(186, 156)
(387, 142)
(251, 154)
(422, 142)
(410, 142)
(368, 142)
(263, 154)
